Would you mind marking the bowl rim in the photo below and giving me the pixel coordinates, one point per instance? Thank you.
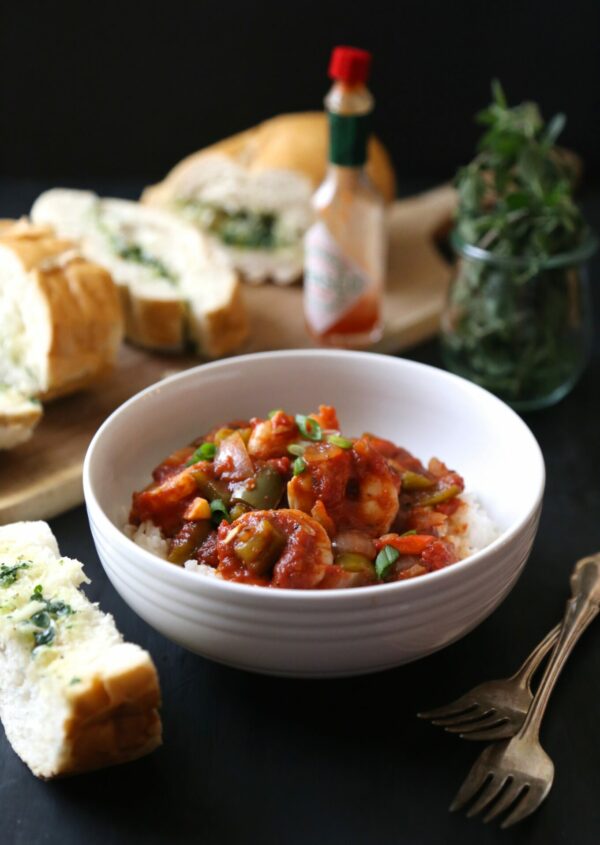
(187, 579)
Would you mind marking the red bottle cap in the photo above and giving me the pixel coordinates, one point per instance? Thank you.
(350, 64)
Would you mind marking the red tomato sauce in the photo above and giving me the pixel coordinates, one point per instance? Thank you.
(288, 501)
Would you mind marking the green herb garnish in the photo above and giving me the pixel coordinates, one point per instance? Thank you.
(9, 574)
(309, 428)
(242, 229)
(516, 196)
(44, 619)
(296, 449)
(338, 440)
(514, 324)
(219, 511)
(129, 251)
(299, 466)
(205, 452)
(271, 414)
(384, 560)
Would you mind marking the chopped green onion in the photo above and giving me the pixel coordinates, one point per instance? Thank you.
(338, 440)
(205, 452)
(309, 428)
(296, 449)
(299, 466)
(408, 533)
(271, 414)
(219, 511)
(384, 560)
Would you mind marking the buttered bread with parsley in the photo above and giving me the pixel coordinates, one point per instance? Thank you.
(73, 695)
(177, 291)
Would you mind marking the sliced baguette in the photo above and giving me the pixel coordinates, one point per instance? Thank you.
(175, 289)
(271, 169)
(60, 315)
(19, 415)
(83, 700)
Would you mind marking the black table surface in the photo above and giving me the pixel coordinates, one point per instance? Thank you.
(250, 759)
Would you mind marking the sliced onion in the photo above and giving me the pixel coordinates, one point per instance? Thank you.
(355, 541)
(232, 461)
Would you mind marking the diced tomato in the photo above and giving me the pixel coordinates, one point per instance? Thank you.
(450, 507)
(438, 554)
(327, 417)
(207, 553)
(411, 544)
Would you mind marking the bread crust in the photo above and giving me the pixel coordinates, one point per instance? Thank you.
(295, 142)
(113, 720)
(95, 701)
(156, 324)
(17, 424)
(82, 303)
(225, 328)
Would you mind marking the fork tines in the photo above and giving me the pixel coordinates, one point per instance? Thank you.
(471, 721)
(497, 792)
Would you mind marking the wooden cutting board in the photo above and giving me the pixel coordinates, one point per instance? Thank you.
(42, 478)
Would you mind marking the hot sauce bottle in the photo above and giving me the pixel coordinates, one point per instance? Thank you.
(345, 249)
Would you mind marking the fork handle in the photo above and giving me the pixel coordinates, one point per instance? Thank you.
(532, 663)
(581, 610)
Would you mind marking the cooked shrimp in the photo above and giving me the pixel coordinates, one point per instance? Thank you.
(270, 438)
(357, 487)
(284, 548)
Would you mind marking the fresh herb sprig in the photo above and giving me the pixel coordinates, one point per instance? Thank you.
(516, 196)
(515, 322)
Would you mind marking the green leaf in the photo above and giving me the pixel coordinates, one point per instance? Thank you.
(384, 560)
(554, 128)
(498, 94)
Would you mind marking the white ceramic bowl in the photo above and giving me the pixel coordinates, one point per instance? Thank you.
(332, 632)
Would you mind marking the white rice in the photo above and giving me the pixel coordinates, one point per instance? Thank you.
(149, 537)
(470, 529)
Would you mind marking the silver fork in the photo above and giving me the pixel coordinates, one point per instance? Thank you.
(494, 709)
(517, 774)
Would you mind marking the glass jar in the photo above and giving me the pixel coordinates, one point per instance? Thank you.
(521, 331)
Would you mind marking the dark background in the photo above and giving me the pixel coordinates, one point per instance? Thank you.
(125, 89)
(111, 95)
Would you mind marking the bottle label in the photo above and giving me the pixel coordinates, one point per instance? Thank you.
(348, 136)
(333, 284)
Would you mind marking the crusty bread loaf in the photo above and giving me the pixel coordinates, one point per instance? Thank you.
(19, 415)
(262, 177)
(175, 289)
(60, 315)
(73, 695)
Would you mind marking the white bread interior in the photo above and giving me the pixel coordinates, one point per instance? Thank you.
(174, 287)
(84, 700)
(60, 315)
(271, 169)
(19, 416)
